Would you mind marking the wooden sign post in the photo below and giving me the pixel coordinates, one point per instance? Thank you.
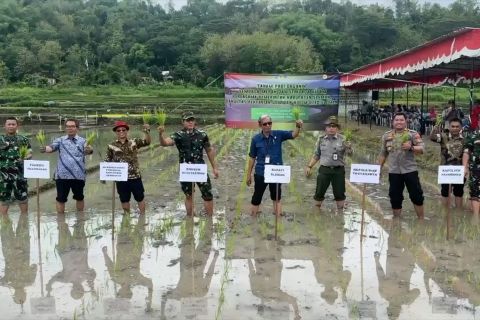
(450, 175)
(277, 175)
(37, 169)
(366, 174)
(113, 171)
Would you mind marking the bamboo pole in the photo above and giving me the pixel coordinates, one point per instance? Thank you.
(276, 210)
(113, 211)
(363, 211)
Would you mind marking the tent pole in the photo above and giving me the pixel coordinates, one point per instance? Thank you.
(471, 86)
(346, 98)
(455, 94)
(407, 95)
(358, 108)
(422, 121)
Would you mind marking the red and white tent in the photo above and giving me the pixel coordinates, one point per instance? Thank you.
(447, 59)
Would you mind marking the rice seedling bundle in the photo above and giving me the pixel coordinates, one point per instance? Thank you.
(91, 136)
(296, 111)
(41, 138)
(161, 117)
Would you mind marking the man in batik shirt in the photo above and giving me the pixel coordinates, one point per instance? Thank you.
(124, 149)
(71, 172)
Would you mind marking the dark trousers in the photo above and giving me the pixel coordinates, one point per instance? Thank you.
(333, 175)
(398, 181)
(259, 190)
(457, 190)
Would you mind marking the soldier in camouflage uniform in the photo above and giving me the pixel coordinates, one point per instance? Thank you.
(400, 146)
(13, 186)
(451, 152)
(471, 162)
(190, 143)
(124, 149)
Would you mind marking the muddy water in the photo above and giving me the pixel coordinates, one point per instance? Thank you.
(167, 266)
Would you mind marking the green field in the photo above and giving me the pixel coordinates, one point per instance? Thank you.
(112, 101)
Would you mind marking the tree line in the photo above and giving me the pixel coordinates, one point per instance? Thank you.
(86, 42)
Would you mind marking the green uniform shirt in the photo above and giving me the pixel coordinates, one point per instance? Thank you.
(10, 160)
(472, 146)
(190, 145)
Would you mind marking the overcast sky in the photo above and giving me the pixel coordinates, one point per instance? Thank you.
(179, 3)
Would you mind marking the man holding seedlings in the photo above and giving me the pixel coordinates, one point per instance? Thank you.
(190, 143)
(451, 153)
(124, 149)
(330, 149)
(14, 148)
(266, 148)
(400, 146)
(70, 173)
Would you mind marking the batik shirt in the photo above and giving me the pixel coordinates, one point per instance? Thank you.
(71, 157)
(10, 160)
(126, 152)
(190, 145)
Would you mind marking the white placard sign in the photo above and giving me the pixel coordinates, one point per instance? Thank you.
(365, 173)
(277, 174)
(451, 174)
(190, 172)
(39, 169)
(113, 171)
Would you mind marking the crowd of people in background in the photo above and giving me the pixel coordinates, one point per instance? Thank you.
(383, 115)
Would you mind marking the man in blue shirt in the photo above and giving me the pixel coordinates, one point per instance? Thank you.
(266, 148)
(70, 172)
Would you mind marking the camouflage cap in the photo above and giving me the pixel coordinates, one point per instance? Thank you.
(188, 115)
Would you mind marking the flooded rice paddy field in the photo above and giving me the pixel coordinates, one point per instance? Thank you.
(166, 266)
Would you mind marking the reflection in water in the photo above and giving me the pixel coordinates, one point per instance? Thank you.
(266, 275)
(125, 271)
(394, 282)
(193, 261)
(16, 251)
(329, 265)
(73, 251)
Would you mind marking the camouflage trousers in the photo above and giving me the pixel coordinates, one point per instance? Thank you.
(474, 184)
(205, 189)
(13, 185)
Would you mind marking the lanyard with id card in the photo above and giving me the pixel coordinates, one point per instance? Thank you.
(267, 155)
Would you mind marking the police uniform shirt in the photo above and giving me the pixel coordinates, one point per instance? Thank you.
(399, 160)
